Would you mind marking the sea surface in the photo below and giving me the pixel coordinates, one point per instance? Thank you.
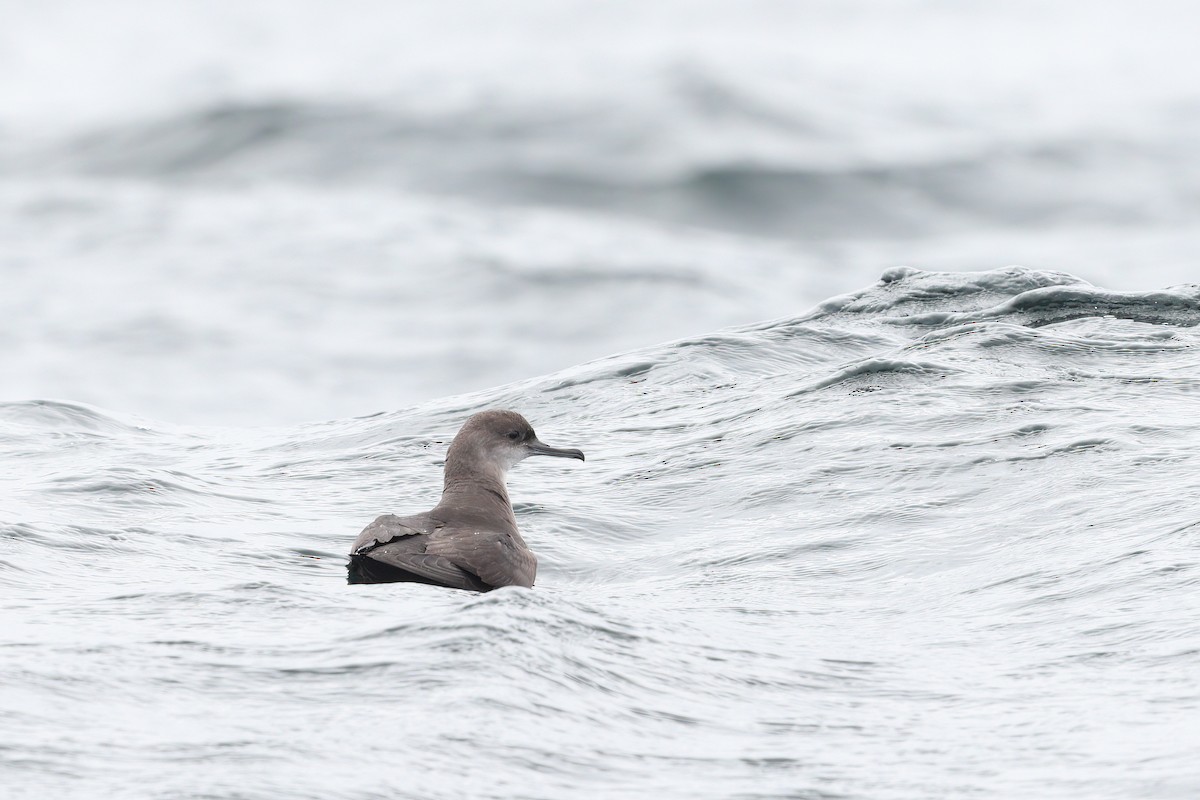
(936, 538)
(876, 319)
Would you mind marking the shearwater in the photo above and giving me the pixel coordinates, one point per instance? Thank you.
(470, 540)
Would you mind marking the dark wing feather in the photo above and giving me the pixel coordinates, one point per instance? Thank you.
(390, 528)
(434, 568)
(402, 542)
(496, 557)
(461, 557)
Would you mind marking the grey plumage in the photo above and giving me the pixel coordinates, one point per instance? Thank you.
(470, 540)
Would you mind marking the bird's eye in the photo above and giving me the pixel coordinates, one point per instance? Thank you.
(514, 435)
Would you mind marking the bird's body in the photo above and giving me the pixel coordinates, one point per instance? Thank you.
(470, 540)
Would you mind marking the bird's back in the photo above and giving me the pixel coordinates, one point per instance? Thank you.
(466, 553)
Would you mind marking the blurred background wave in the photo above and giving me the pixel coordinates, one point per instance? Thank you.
(266, 212)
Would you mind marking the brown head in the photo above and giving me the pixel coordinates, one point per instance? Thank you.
(491, 442)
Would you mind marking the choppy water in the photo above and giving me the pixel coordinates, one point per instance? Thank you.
(933, 539)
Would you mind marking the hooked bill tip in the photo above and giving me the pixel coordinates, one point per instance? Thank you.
(539, 449)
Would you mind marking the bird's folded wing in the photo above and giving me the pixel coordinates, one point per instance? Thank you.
(390, 528)
(494, 557)
(437, 569)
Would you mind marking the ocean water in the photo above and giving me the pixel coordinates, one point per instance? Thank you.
(931, 539)
(847, 528)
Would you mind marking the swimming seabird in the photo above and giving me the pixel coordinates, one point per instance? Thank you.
(470, 540)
